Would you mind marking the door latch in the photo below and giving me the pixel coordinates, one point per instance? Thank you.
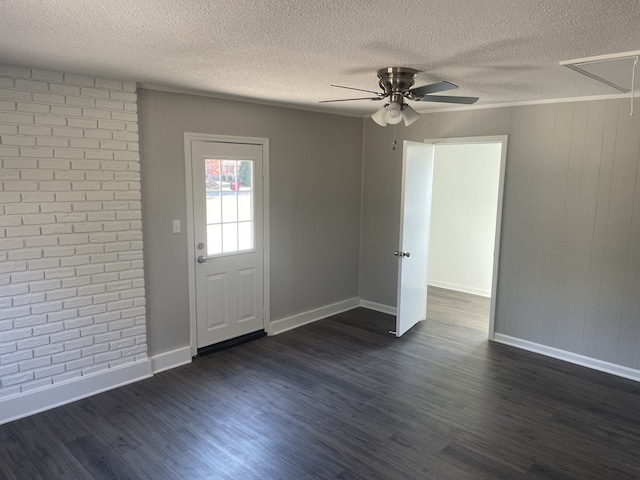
(401, 254)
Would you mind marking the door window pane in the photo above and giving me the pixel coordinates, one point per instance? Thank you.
(245, 236)
(214, 212)
(245, 206)
(229, 206)
(214, 239)
(229, 237)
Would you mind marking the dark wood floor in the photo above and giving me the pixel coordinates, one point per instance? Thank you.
(341, 398)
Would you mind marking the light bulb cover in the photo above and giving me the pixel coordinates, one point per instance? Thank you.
(380, 116)
(409, 115)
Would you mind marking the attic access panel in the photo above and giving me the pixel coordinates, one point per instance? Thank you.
(615, 70)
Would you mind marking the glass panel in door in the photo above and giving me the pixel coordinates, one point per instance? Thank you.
(229, 206)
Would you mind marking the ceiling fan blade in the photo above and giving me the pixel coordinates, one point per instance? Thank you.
(349, 99)
(358, 89)
(447, 99)
(433, 88)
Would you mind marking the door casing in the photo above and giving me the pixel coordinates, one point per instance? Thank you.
(191, 250)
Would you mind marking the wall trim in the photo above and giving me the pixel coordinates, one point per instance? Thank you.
(172, 359)
(460, 288)
(378, 307)
(589, 362)
(30, 403)
(294, 321)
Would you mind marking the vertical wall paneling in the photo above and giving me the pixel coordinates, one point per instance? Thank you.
(616, 247)
(569, 275)
(629, 338)
(590, 317)
(591, 162)
(630, 311)
(536, 137)
(569, 257)
(556, 275)
(516, 222)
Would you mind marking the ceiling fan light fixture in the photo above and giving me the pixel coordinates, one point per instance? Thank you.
(380, 116)
(409, 115)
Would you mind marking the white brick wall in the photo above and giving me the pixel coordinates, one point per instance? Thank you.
(72, 298)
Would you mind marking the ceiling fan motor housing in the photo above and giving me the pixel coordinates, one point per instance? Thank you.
(396, 79)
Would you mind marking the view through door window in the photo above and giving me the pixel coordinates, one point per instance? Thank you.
(230, 220)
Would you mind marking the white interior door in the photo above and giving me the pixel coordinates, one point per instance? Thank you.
(229, 238)
(415, 220)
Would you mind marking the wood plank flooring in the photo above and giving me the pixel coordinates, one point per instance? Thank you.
(343, 399)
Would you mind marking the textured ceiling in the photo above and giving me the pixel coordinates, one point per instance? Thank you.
(290, 51)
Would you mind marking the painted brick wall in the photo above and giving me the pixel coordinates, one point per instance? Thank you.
(72, 298)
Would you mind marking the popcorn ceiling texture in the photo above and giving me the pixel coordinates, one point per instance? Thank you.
(289, 52)
(72, 297)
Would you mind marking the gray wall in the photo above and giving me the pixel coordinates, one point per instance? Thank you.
(569, 273)
(315, 178)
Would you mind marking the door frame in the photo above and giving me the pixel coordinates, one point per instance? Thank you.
(189, 138)
(503, 139)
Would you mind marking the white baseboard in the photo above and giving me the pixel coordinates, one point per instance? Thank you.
(168, 360)
(23, 405)
(460, 288)
(578, 359)
(378, 307)
(284, 324)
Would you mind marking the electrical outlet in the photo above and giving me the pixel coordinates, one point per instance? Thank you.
(176, 226)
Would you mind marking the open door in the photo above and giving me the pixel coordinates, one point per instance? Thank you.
(415, 220)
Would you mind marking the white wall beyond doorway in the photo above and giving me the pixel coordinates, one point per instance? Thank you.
(463, 221)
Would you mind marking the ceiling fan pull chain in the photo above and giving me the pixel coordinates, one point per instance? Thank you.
(395, 138)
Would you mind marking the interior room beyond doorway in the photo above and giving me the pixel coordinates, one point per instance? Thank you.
(463, 223)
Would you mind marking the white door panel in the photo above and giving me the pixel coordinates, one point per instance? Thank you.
(415, 219)
(246, 295)
(229, 239)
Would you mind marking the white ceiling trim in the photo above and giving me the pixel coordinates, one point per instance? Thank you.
(601, 58)
(531, 102)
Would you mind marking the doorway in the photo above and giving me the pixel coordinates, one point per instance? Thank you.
(227, 230)
(466, 219)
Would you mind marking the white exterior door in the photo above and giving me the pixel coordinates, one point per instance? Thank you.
(415, 220)
(229, 238)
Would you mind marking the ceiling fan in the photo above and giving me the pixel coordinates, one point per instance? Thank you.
(396, 83)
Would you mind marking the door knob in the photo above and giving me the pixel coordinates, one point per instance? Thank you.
(202, 259)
